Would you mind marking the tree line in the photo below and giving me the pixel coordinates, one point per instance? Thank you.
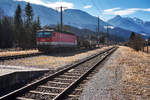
(19, 31)
(137, 42)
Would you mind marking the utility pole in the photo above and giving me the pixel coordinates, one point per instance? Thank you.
(147, 46)
(107, 29)
(98, 35)
(107, 33)
(98, 26)
(61, 17)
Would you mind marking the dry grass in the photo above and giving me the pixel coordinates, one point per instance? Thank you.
(135, 81)
(13, 53)
(51, 61)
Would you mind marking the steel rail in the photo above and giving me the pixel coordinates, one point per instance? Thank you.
(33, 85)
(75, 83)
(3, 58)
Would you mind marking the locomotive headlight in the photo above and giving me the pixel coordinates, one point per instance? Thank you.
(38, 43)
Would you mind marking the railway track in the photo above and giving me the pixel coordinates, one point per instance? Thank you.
(59, 85)
(3, 58)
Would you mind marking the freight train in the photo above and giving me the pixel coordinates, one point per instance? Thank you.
(50, 39)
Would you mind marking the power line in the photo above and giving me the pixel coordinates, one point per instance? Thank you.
(99, 11)
(98, 25)
(81, 1)
(97, 8)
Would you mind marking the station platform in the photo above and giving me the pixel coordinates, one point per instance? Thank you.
(8, 69)
(12, 76)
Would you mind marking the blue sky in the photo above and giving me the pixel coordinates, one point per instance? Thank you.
(106, 9)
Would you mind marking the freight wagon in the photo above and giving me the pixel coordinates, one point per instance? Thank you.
(48, 40)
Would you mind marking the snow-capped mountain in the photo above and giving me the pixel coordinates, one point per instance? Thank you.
(138, 21)
(133, 24)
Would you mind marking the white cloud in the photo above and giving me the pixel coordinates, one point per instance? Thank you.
(87, 6)
(111, 27)
(50, 4)
(39, 2)
(119, 11)
(147, 9)
(110, 10)
(58, 4)
(126, 11)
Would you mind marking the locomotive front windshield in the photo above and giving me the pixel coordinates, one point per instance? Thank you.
(44, 34)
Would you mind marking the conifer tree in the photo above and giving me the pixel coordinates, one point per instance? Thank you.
(17, 17)
(136, 41)
(16, 31)
(132, 36)
(28, 25)
(18, 25)
(29, 15)
(38, 23)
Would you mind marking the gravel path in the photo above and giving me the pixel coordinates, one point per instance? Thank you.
(125, 76)
(100, 86)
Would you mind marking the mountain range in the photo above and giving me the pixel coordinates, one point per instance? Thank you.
(133, 24)
(75, 18)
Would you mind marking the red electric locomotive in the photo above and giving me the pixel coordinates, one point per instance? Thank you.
(50, 39)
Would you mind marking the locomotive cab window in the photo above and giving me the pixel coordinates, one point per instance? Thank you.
(44, 34)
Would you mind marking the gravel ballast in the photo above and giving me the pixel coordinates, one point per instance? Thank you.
(96, 88)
